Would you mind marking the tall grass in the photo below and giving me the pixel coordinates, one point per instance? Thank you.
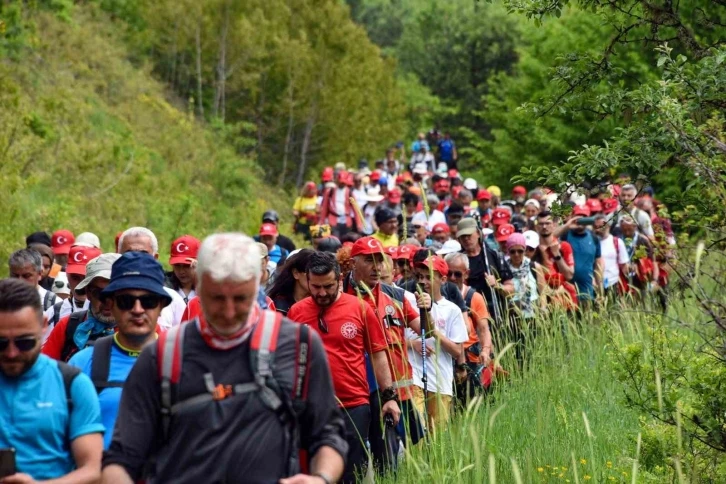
(560, 418)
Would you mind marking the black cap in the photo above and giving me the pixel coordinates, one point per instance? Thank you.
(329, 244)
(384, 215)
(270, 216)
(37, 238)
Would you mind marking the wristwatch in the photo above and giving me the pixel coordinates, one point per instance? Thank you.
(557, 258)
(323, 476)
(389, 394)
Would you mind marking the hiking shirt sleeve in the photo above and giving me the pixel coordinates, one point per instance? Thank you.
(478, 309)
(57, 339)
(567, 254)
(322, 422)
(375, 338)
(86, 413)
(136, 433)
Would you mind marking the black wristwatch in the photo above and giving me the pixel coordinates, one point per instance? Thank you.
(324, 477)
(461, 366)
(557, 258)
(389, 394)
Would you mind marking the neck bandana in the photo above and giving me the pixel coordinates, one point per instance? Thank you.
(225, 342)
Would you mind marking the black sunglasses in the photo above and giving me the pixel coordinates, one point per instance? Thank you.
(457, 274)
(126, 302)
(516, 251)
(322, 325)
(22, 343)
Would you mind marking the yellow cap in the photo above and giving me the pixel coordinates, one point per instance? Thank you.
(495, 190)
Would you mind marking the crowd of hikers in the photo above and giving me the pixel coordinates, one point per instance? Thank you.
(253, 360)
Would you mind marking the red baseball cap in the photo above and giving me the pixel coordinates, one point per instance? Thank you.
(366, 246)
(268, 229)
(327, 175)
(581, 210)
(399, 180)
(609, 205)
(456, 190)
(375, 176)
(392, 251)
(78, 257)
(503, 232)
(394, 196)
(310, 185)
(404, 251)
(184, 249)
(483, 195)
(61, 241)
(453, 173)
(437, 264)
(501, 216)
(594, 205)
(519, 190)
(441, 227)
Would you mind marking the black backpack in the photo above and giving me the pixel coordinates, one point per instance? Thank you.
(69, 346)
(101, 364)
(69, 373)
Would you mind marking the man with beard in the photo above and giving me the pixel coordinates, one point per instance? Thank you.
(587, 254)
(73, 333)
(349, 330)
(135, 296)
(50, 414)
(230, 396)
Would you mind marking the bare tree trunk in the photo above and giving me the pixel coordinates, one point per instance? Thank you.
(290, 124)
(198, 39)
(306, 143)
(219, 98)
(259, 118)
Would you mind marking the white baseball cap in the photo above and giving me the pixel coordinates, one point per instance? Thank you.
(88, 239)
(531, 238)
(470, 184)
(449, 247)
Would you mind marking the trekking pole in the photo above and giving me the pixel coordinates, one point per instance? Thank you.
(487, 270)
(424, 325)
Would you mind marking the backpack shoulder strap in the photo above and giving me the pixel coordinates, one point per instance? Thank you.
(262, 358)
(300, 383)
(68, 373)
(56, 312)
(468, 297)
(48, 300)
(101, 364)
(169, 360)
(74, 321)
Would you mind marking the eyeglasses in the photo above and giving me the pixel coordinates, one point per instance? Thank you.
(457, 274)
(601, 227)
(417, 226)
(22, 343)
(126, 302)
(516, 251)
(322, 325)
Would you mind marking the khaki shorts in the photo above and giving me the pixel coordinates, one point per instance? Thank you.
(438, 407)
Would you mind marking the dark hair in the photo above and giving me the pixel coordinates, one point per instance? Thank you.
(322, 263)
(350, 237)
(455, 207)
(421, 255)
(16, 295)
(284, 283)
(600, 216)
(410, 198)
(44, 251)
(544, 214)
(329, 244)
(24, 257)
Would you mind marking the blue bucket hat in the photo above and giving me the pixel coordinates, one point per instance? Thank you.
(137, 270)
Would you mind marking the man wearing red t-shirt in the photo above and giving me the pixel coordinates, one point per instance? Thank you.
(558, 260)
(349, 329)
(394, 313)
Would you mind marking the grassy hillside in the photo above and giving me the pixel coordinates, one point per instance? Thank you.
(90, 142)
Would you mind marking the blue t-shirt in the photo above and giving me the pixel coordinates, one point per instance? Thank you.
(277, 253)
(109, 398)
(585, 250)
(34, 418)
(446, 150)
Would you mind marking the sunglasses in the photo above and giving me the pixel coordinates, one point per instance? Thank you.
(94, 292)
(457, 274)
(322, 325)
(22, 343)
(516, 251)
(126, 302)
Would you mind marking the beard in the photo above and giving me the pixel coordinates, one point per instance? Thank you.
(324, 301)
(24, 360)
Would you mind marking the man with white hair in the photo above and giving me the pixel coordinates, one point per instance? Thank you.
(141, 239)
(231, 396)
(627, 202)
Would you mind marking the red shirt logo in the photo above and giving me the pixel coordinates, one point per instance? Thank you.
(349, 330)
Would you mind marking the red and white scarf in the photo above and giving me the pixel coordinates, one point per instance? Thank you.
(226, 342)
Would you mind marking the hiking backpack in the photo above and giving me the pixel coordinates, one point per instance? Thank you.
(263, 343)
(101, 364)
(69, 346)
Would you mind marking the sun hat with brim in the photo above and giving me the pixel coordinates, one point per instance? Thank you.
(98, 267)
(466, 226)
(449, 247)
(140, 271)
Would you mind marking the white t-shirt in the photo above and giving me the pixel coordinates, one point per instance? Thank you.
(172, 314)
(360, 196)
(192, 294)
(612, 260)
(340, 204)
(435, 217)
(439, 367)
